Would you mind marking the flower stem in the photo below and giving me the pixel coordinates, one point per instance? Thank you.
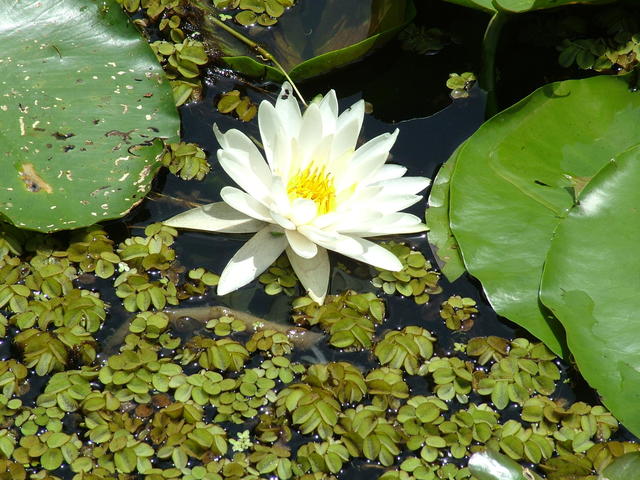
(265, 53)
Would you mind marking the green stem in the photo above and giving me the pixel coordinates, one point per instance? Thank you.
(489, 46)
(260, 50)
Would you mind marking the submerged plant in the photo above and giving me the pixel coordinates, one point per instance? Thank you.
(315, 192)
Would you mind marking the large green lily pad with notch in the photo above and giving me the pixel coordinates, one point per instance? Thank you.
(591, 281)
(519, 6)
(83, 103)
(516, 178)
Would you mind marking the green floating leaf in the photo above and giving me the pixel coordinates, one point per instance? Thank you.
(491, 465)
(516, 178)
(591, 280)
(441, 239)
(519, 6)
(623, 468)
(366, 26)
(79, 142)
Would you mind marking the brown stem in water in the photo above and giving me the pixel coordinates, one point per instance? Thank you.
(156, 196)
(301, 337)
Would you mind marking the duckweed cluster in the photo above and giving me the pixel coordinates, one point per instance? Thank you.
(180, 55)
(417, 279)
(280, 277)
(350, 318)
(458, 313)
(162, 404)
(241, 106)
(251, 12)
(186, 160)
(618, 53)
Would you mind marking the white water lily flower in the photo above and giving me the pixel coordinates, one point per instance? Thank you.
(315, 192)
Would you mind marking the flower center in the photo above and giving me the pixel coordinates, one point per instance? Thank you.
(315, 184)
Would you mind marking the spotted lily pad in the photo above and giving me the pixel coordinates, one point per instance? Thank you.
(83, 103)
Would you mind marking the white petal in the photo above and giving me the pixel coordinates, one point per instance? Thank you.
(313, 273)
(387, 172)
(288, 110)
(385, 203)
(362, 198)
(329, 110)
(310, 133)
(283, 155)
(375, 255)
(279, 198)
(245, 203)
(354, 247)
(332, 240)
(270, 130)
(346, 137)
(236, 140)
(322, 151)
(253, 258)
(215, 217)
(250, 176)
(303, 211)
(405, 185)
(327, 220)
(284, 222)
(391, 224)
(367, 159)
(301, 244)
(351, 114)
(342, 147)
(380, 232)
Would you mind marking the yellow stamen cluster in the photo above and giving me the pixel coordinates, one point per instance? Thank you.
(315, 184)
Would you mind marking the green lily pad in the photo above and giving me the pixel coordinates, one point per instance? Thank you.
(342, 33)
(83, 102)
(517, 177)
(519, 6)
(491, 465)
(623, 468)
(441, 239)
(590, 282)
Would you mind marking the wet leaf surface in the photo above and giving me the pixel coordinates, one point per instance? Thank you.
(509, 189)
(79, 143)
(599, 309)
(440, 236)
